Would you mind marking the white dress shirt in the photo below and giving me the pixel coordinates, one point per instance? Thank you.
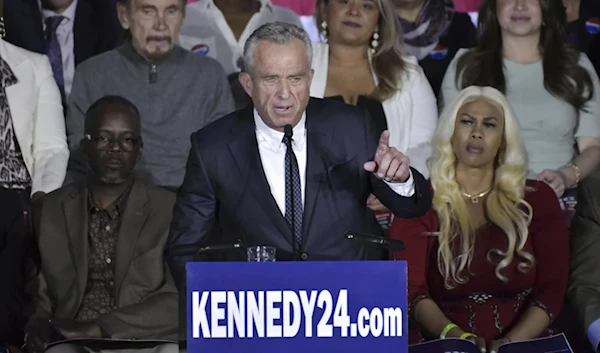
(206, 32)
(64, 33)
(272, 151)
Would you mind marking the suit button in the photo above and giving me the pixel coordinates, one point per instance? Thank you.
(304, 256)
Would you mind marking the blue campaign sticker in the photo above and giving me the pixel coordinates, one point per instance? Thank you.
(297, 307)
(439, 52)
(201, 49)
(592, 25)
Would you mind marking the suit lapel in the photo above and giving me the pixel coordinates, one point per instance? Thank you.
(244, 151)
(76, 220)
(136, 212)
(317, 141)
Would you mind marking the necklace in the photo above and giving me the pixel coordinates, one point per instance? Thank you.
(475, 198)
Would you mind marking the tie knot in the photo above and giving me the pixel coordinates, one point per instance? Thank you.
(287, 140)
(53, 22)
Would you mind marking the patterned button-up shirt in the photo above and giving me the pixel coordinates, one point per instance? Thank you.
(103, 233)
(13, 172)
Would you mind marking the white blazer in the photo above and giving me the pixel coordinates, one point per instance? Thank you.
(411, 113)
(37, 117)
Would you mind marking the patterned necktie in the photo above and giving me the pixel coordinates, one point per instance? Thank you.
(293, 188)
(54, 53)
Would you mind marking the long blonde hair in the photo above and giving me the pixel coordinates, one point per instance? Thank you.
(388, 63)
(505, 206)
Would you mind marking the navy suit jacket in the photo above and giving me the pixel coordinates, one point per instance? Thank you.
(96, 28)
(225, 193)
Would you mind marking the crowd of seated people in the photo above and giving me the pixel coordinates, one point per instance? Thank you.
(129, 128)
(552, 87)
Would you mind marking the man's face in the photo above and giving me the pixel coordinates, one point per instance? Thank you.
(154, 25)
(114, 145)
(279, 83)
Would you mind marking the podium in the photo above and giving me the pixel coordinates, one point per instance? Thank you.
(335, 306)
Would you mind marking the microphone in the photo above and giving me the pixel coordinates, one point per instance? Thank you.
(386, 243)
(288, 132)
(193, 250)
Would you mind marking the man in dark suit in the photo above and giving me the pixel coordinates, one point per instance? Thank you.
(237, 182)
(69, 31)
(101, 244)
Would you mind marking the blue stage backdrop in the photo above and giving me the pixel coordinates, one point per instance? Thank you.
(297, 307)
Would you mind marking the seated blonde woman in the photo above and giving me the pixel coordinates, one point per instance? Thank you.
(360, 62)
(489, 262)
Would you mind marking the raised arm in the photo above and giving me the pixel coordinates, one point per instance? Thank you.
(406, 198)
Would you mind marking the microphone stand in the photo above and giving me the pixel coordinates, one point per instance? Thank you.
(196, 253)
(289, 132)
(385, 243)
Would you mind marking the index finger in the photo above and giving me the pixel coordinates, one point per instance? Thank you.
(384, 139)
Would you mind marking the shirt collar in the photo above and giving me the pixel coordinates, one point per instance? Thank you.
(116, 208)
(69, 13)
(274, 138)
(264, 4)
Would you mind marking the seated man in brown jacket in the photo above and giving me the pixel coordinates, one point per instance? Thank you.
(101, 244)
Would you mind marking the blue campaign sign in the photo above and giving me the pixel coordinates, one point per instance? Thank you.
(350, 307)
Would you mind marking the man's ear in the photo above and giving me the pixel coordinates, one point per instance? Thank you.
(123, 14)
(246, 82)
(139, 156)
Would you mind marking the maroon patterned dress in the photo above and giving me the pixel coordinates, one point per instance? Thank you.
(485, 305)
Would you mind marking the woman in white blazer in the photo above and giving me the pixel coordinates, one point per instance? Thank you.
(32, 123)
(360, 61)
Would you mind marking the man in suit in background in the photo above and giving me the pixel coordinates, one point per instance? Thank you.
(68, 31)
(101, 244)
(584, 286)
(237, 171)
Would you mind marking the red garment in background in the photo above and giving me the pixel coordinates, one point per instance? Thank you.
(485, 305)
(301, 7)
(467, 5)
(307, 7)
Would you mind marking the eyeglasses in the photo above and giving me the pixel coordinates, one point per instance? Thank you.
(103, 143)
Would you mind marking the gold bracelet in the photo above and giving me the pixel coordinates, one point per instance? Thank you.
(576, 170)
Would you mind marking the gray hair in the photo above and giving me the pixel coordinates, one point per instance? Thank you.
(274, 32)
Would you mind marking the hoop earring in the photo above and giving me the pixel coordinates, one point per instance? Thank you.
(2, 28)
(324, 31)
(374, 43)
